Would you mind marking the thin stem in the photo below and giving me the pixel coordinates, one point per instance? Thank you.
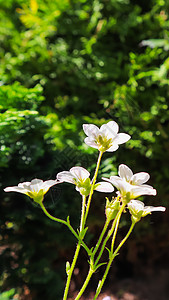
(82, 224)
(92, 187)
(125, 238)
(71, 271)
(83, 214)
(65, 223)
(115, 231)
(92, 270)
(101, 237)
(51, 217)
(90, 273)
(110, 232)
(110, 262)
(103, 280)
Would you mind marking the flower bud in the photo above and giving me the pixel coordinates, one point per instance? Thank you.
(84, 187)
(112, 208)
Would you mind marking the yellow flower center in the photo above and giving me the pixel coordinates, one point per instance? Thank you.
(103, 142)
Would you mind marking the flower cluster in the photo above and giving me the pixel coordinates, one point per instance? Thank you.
(130, 186)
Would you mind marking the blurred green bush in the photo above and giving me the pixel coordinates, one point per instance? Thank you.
(7, 295)
(65, 63)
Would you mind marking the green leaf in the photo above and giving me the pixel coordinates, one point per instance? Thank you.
(99, 265)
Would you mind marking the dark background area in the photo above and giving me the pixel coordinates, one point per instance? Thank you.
(65, 63)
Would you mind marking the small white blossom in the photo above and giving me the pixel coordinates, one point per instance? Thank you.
(106, 138)
(36, 189)
(131, 185)
(80, 177)
(138, 210)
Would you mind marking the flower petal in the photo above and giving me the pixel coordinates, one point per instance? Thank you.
(91, 142)
(147, 186)
(122, 138)
(24, 184)
(119, 183)
(79, 173)
(36, 185)
(36, 181)
(140, 178)
(152, 208)
(104, 187)
(16, 189)
(113, 148)
(125, 172)
(141, 190)
(110, 129)
(136, 205)
(47, 184)
(65, 176)
(91, 130)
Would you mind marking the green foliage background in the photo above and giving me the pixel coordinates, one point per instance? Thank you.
(65, 63)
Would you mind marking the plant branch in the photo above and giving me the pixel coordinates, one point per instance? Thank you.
(65, 223)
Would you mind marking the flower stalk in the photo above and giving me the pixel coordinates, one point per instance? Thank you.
(84, 215)
(93, 184)
(82, 224)
(67, 223)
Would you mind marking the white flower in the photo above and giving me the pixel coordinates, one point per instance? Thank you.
(35, 189)
(106, 138)
(138, 210)
(80, 177)
(129, 185)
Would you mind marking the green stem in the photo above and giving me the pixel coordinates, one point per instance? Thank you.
(51, 217)
(65, 223)
(90, 273)
(110, 232)
(92, 270)
(101, 237)
(82, 224)
(115, 230)
(71, 271)
(101, 282)
(93, 184)
(125, 238)
(110, 262)
(83, 214)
